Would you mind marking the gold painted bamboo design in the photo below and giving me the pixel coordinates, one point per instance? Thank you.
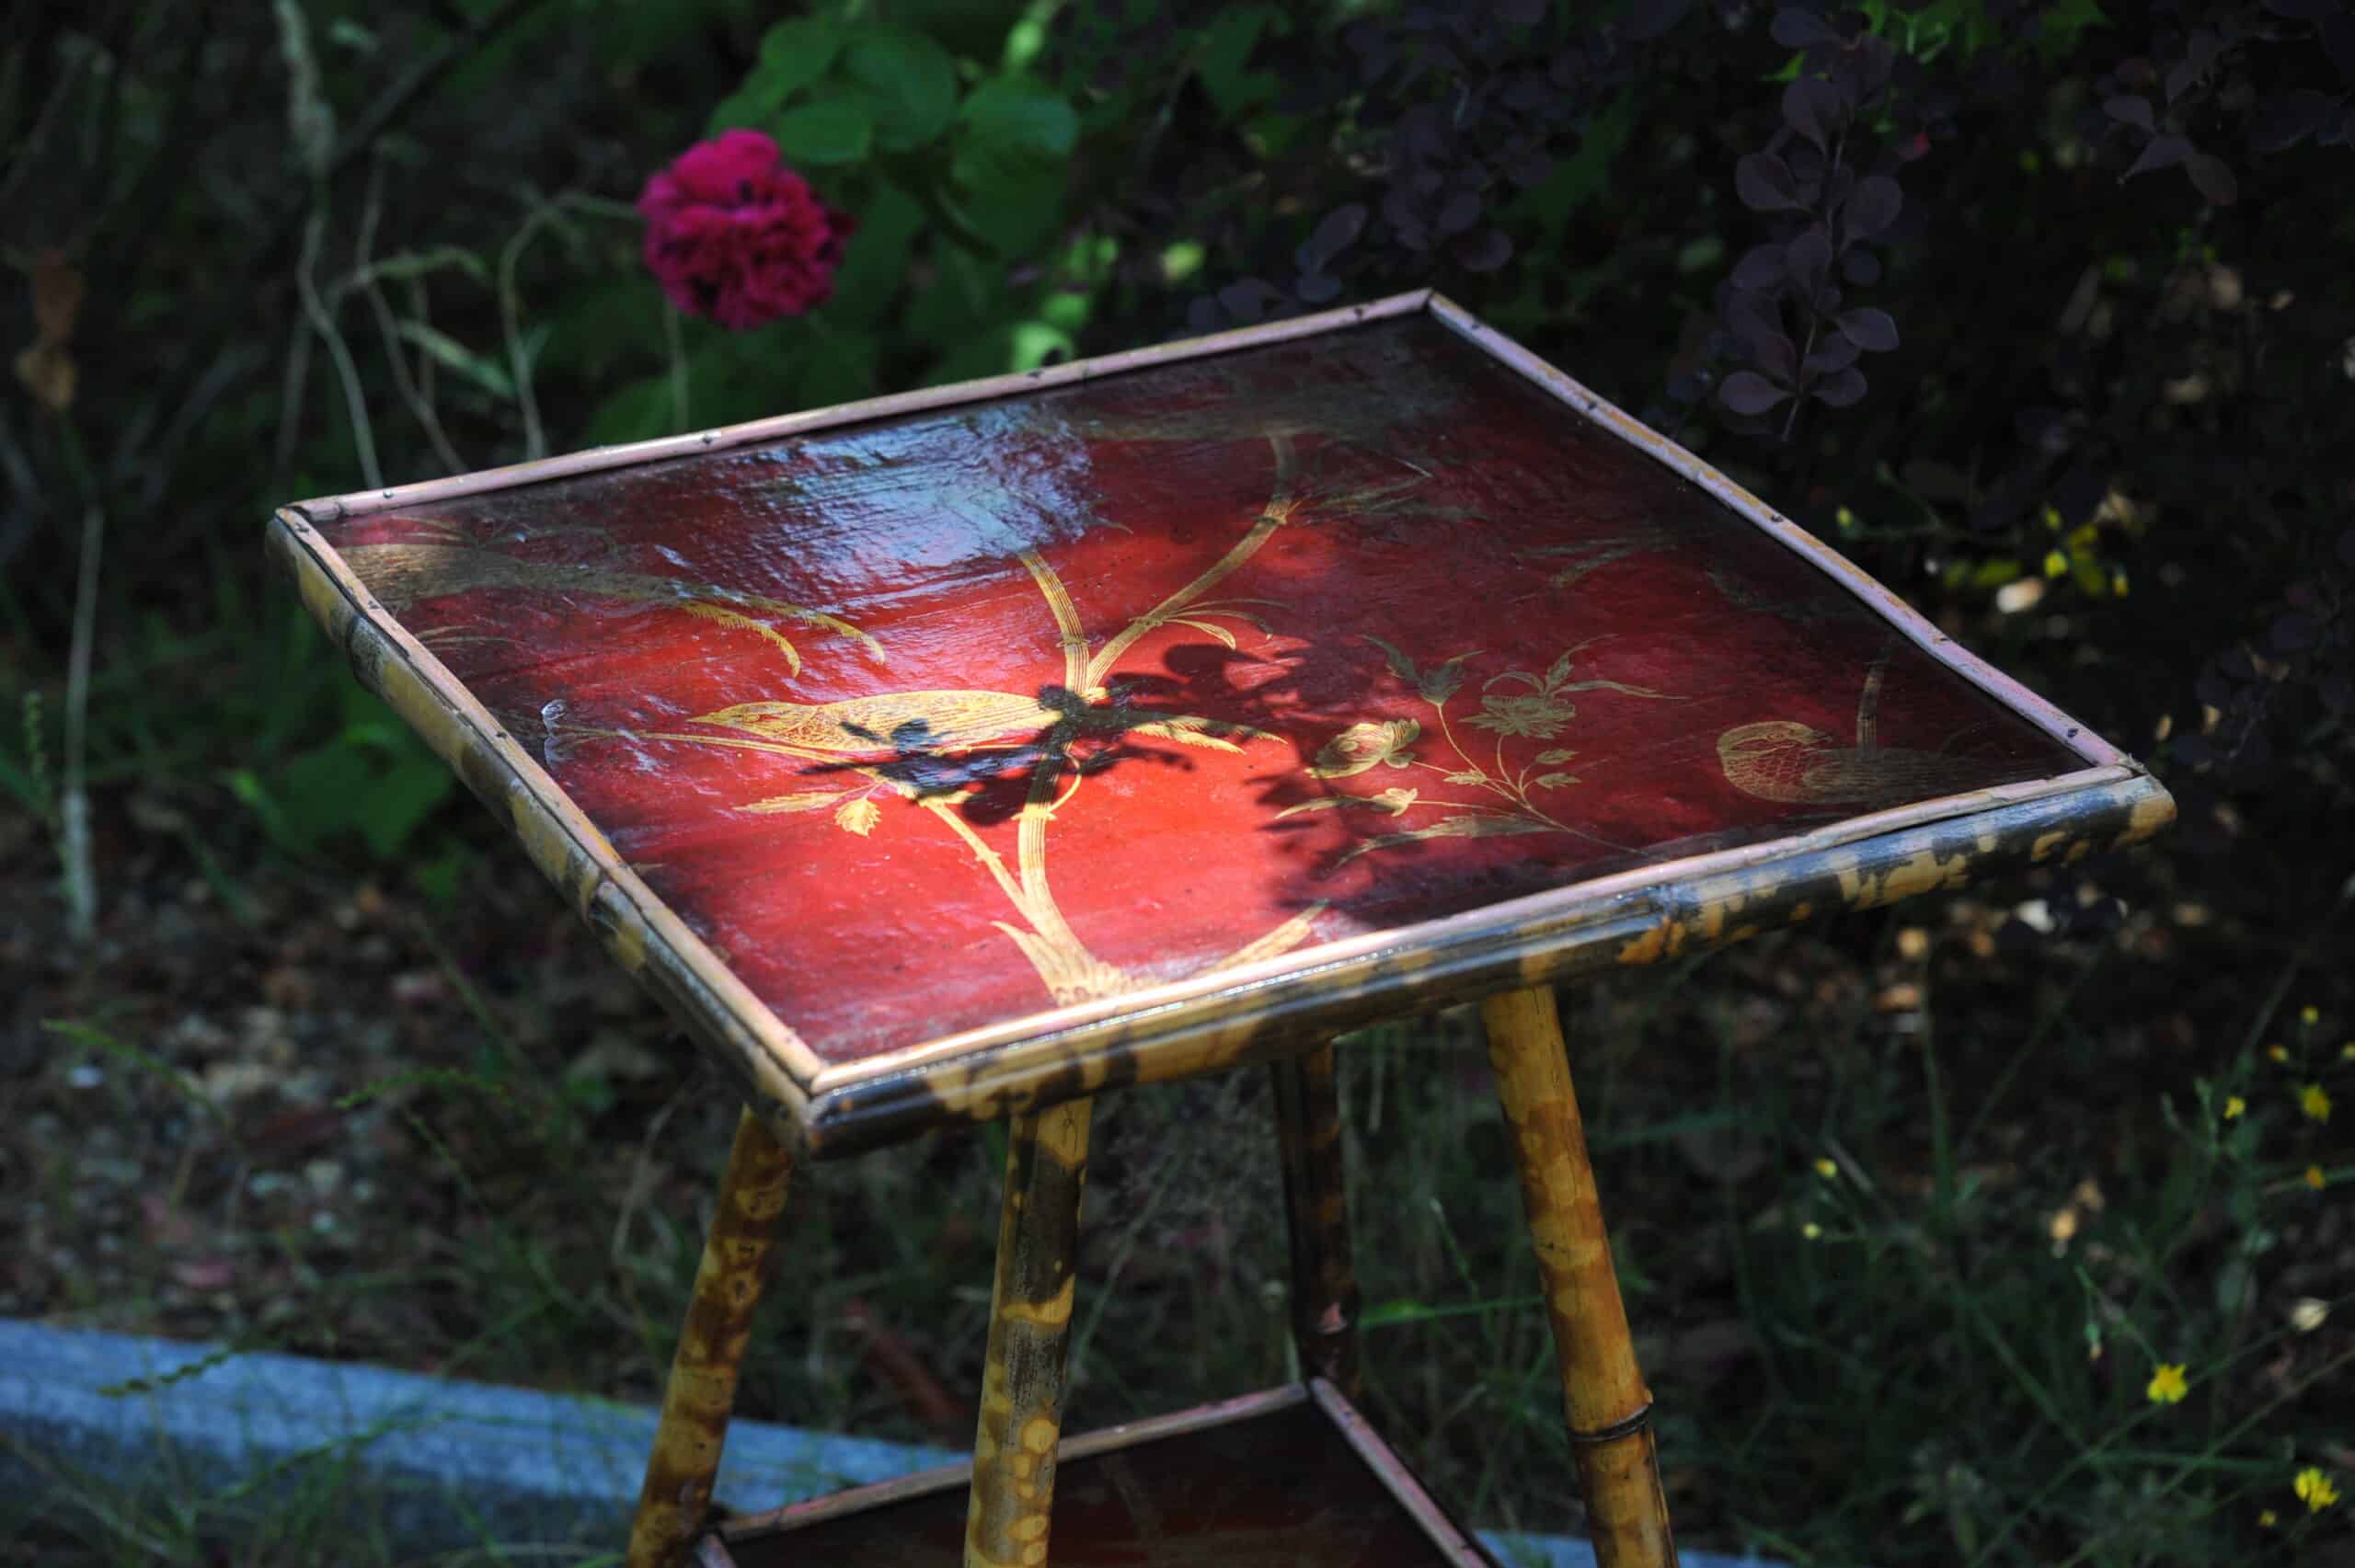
(1317, 1215)
(701, 1393)
(1609, 1407)
(1030, 1302)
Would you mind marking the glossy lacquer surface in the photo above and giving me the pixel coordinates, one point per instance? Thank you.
(938, 721)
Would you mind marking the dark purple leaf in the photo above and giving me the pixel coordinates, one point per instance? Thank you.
(1405, 216)
(1316, 288)
(1860, 266)
(1459, 212)
(1836, 353)
(1869, 328)
(1795, 29)
(2293, 634)
(1747, 392)
(2161, 151)
(1777, 356)
(1808, 258)
(1760, 267)
(2289, 120)
(2213, 178)
(1529, 166)
(1873, 206)
(1335, 233)
(1765, 184)
(1650, 18)
(1811, 107)
(2130, 110)
(2180, 78)
(1753, 321)
(1485, 251)
(1250, 299)
(1840, 391)
(1202, 315)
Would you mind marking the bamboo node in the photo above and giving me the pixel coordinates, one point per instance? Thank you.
(1626, 1426)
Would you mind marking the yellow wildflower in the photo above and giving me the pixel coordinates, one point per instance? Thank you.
(2277, 1053)
(1826, 1169)
(2315, 1102)
(2347, 1051)
(2314, 1177)
(2314, 1490)
(2268, 1519)
(2310, 1015)
(2166, 1386)
(2055, 564)
(2234, 1106)
(1811, 1230)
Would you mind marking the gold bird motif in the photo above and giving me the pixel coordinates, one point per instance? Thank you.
(935, 722)
(1785, 761)
(892, 721)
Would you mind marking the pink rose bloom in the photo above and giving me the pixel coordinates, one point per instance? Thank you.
(734, 234)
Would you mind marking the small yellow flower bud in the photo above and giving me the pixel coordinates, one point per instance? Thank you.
(1811, 1230)
(2234, 1106)
(2310, 1015)
(2055, 564)
(2314, 1177)
(1826, 1169)
(2314, 1101)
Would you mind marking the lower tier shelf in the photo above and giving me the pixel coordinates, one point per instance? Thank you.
(1293, 1476)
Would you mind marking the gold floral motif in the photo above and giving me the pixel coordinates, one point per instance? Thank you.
(1539, 712)
(1383, 743)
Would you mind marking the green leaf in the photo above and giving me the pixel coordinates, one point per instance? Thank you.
(1016, 121)
(1400, 665)
(875, 263)
(1225, 51)
(491, 377)
(399, 801)
(418, 263)
(837, 131)
(908, 83)
(794, 55)
(638, 412)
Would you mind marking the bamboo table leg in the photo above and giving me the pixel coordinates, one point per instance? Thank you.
(1316, 1214)
(702, 1390)
(1609, 1407)
(1030, 1301)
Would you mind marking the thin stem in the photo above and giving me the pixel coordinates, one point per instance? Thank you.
(73, 833)
(347, 372)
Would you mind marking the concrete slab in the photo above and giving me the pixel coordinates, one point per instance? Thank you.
(441, 1456)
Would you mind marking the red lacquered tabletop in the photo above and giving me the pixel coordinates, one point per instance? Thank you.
(947, 753)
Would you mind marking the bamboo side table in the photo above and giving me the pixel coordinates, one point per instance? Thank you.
(1336, 669)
